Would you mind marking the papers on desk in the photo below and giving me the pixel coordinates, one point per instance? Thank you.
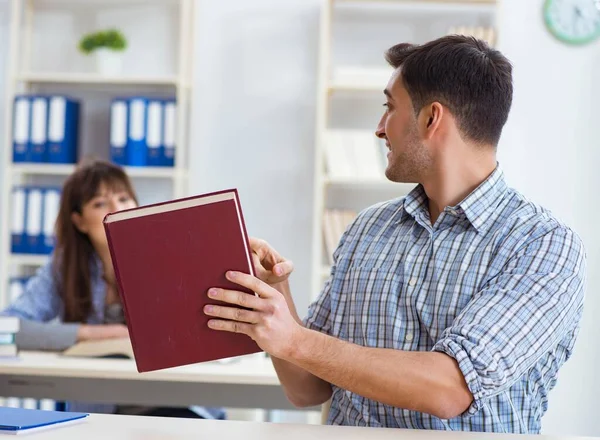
(21, 421)
(107, 348)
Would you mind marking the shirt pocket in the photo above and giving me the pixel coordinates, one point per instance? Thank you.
(368, 306)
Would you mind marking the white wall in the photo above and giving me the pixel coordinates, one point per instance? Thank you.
(254, 114)
(551, 152)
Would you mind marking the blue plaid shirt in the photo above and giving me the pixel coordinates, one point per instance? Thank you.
(497, 283)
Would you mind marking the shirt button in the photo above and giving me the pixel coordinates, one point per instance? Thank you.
(409, 337)
(412, 282)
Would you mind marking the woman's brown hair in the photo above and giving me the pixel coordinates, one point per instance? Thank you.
(74, 251)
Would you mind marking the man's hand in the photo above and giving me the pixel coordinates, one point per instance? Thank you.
(269, 322)
(270, 267)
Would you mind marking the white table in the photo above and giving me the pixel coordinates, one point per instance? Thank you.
(102, 427)
(250, 382)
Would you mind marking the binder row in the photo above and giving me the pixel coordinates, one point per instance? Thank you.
(34, 212)
(45, 129)
(16, 286)
(28, 403)
(142, 131)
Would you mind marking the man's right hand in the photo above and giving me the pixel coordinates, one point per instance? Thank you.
(91, 332)
(270, 267)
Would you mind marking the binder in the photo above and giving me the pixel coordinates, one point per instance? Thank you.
(16, 287)
(22, 420)
(33, 221)
(51, 206)
(154, 133)
(170, 128)
(137, 150)
(39, 128)
(19, 212)
(20, 135)
(63, 129)
(118, 131)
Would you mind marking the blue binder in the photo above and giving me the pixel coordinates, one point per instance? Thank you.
(63, 129)
(154, 133)
(38, 132)
(169, 132)
(19, 214)
(34, 221)
(19, 420)
(50, 207)
(20, 134)
(137, 150)
(118, 131)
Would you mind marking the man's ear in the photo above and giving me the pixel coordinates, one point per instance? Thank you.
(431, 118)
(77, 220)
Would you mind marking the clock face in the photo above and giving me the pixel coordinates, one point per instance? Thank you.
(573, 21)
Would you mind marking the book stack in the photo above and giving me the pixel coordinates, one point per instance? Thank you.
(487, 34)
(335, 223)
(9, 326)
(355, 155)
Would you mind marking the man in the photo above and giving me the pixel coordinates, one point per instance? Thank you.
(452, 308)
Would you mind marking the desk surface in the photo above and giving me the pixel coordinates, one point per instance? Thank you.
(246, 370)
(101, 427)
(246, 382)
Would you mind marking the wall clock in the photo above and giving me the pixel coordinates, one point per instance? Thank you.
(575, 22)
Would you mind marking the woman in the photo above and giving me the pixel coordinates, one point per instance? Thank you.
(74, 296)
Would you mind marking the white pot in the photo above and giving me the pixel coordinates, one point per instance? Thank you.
(109, 62)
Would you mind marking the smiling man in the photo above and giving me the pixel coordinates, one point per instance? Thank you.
(451, 308)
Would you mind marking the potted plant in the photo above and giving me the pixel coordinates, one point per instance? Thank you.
(108, 47)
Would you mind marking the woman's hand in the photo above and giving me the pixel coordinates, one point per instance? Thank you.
(92, 332)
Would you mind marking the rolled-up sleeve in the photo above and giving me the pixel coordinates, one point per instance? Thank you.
(534, 302)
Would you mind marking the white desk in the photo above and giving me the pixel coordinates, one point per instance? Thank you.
(102, 427)
(250, 382)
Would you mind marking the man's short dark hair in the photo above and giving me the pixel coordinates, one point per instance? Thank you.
(462, 73)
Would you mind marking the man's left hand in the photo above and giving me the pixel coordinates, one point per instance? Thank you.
(269, 322)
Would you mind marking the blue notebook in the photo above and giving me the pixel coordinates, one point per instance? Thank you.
(19, 420)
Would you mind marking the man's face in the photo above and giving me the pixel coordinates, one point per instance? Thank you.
(408, 158)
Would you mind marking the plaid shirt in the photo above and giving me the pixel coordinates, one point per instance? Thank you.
(497, 283)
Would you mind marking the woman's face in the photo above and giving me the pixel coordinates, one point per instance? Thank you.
(94, 210)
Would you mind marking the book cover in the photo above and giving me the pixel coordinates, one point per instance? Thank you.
(21, 420)
(166, 256)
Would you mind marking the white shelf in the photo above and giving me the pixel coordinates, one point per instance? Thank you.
(42, 169)
(91, 78)
(357, 87)
(421, 6)
(28, 260)
(34, 169)
(93, 4)
(151, 172)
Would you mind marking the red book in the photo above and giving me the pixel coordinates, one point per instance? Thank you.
(166, 256)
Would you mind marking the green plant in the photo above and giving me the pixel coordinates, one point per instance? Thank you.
(111, 39)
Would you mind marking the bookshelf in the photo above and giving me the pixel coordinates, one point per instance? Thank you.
(50, 30)
(352, 73)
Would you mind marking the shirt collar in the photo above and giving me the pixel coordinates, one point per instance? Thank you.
(477, 207)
